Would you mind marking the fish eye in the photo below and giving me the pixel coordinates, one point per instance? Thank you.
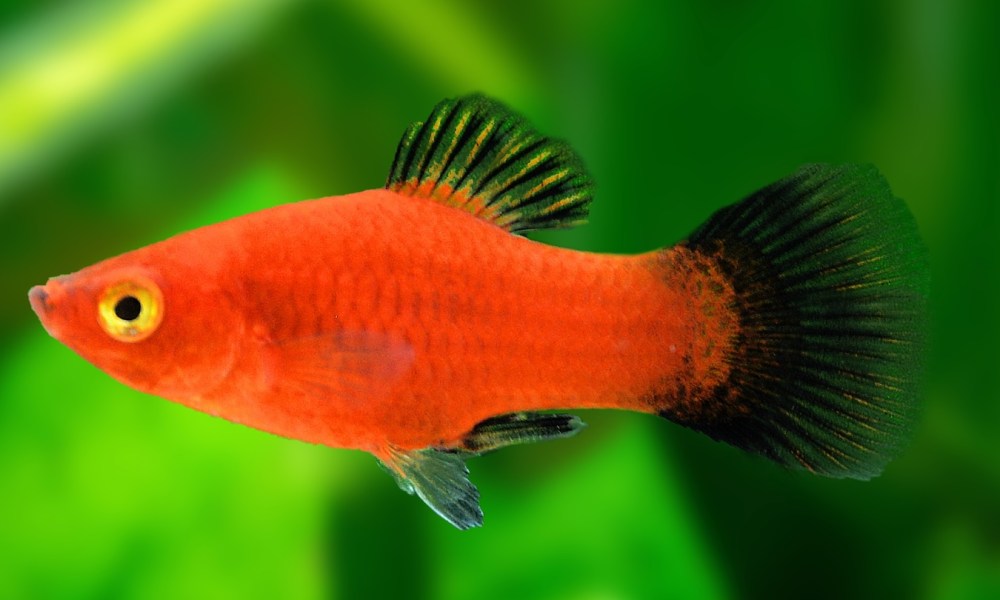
(128, 308)
(131, 310)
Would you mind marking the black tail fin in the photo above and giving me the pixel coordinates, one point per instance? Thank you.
(830, 278)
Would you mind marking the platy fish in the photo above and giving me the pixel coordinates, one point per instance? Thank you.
(416, 323)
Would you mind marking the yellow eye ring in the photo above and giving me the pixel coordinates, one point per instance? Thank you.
(131, 310)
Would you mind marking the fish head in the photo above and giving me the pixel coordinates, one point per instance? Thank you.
(154, 319)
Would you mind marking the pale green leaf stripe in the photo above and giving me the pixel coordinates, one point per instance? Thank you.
(456, 42)
(75, 71)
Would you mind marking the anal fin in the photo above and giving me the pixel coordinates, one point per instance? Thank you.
(519, 428)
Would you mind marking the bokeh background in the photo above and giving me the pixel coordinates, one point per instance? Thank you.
(122, 123)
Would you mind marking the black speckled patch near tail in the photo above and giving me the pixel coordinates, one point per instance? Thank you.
(830, 280)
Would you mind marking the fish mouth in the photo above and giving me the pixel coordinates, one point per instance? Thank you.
(44, 301)
(39, 299)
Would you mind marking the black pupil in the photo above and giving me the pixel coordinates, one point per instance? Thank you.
(128, 308)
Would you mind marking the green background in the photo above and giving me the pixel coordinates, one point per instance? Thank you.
(121, 124)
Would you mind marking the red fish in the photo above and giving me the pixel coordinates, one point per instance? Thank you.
(415, 323)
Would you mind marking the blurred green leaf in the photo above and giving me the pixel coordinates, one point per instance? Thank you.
(65, 76)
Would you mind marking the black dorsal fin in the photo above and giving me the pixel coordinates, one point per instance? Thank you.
(475, 154)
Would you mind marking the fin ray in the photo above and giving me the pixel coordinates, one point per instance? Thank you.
(439, 478)
(519, 428)
(475, 154)
(829, 279)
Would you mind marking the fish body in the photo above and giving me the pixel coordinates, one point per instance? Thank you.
(413, 323)
(440, 319)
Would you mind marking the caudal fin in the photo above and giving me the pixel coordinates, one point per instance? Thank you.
(829, 279)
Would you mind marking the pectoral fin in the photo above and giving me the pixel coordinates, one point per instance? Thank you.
(346, 366)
